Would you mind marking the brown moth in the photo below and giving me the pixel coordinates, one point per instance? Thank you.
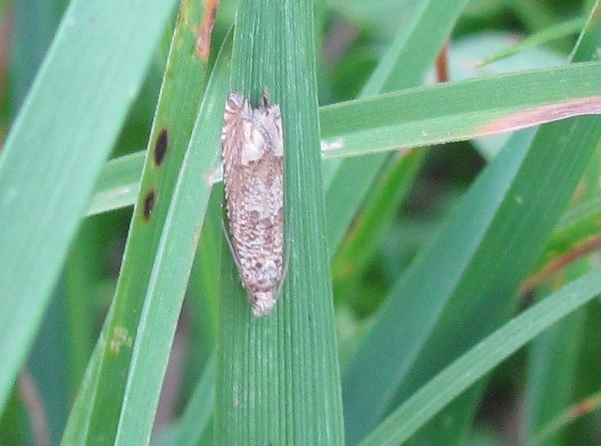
(253, 174)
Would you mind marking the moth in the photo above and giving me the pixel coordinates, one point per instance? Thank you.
(252, 147)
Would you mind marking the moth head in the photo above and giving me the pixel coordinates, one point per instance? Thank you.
(253, 144)
(269, 121)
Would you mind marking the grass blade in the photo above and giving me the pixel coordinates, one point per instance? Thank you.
(277, 377)
(481, 359)
(497, 233)
(55, 150)
(172, 264)
(406, 64)
(118, 185)
(97, 408)
(461, 110)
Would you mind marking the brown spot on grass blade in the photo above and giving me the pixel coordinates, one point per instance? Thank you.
(541, 115)
(442, 64)
(203, 42)
(160, 147)
(149, 202)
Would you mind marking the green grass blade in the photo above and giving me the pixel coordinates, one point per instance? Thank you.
(55, 150)
(461, 110)
(199, 409)
(558, 31)
(353, 256)
(277, 377)
(455, 112)
(97, 408)
(503, 257)
(416, 302)
(118, 184)
(82, 273)
(481, 359)
(172, 264)
(496, 233)
(35, 24)
(551, 179)
(551, 388)
(415, 42)
(406, 64)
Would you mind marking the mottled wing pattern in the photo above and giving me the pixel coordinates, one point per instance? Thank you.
(253, 156)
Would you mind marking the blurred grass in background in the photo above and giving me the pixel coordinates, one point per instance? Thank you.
(432, 248)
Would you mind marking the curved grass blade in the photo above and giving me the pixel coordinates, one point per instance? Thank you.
(554, 32)
(481, 359)
(456, 111)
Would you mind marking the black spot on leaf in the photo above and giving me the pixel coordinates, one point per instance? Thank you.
(149, 202)
(160, 147)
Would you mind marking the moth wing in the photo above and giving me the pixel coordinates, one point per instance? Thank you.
(237, 109)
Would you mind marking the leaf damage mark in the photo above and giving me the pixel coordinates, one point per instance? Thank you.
(541, 115)
(149, 202)
(160, 147)
(203, 41)
(120, 338)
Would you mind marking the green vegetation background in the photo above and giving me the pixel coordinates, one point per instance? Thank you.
(413, 241)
